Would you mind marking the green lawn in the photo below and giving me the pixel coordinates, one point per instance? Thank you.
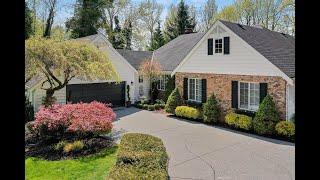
(91, 167)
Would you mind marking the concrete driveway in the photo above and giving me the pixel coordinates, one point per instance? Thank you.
(199, 151)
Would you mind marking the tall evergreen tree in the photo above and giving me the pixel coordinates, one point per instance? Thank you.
(170, 25)
(87, 18)
(127, 31)
(28, 21)
(178, 21)
(118, 41)
(157, 40)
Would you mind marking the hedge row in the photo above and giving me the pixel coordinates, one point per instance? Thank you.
(150, 107)
(188, 112)
(140, 156)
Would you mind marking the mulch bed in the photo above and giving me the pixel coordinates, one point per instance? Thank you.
(44, 147)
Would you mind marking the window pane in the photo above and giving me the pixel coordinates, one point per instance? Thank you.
(198, 90)
(254, 96)
(244, 95)
(191, 89)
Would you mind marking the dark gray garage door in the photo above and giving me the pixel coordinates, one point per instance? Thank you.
(102, 92)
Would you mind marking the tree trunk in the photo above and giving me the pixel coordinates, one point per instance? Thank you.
(49, 23)
(49, 99)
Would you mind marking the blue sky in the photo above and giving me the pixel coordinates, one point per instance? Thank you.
(65, 13)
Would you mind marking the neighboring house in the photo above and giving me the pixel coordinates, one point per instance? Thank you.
(238, 64)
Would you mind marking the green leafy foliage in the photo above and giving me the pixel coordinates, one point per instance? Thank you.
(266, 117)
(211, 111)
(239, 121)
(173, 101)
(285, 128)
(140, 156)
(170, 85)
(87, 18)
(57, 62)
(157, 39)
(187, 112)
(28, 22)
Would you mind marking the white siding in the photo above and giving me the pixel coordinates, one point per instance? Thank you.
(146, 88)
(290, 101)
(39, 93)
(242, 60)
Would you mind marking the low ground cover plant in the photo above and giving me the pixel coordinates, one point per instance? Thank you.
(239, 121)
(140, 156)
(285, 129)
(188, 112)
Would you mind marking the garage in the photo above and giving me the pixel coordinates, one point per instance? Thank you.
(110, 92)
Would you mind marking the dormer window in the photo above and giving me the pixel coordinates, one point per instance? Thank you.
(218, 46)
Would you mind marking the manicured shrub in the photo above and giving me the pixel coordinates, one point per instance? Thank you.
(60, 145)
(239, 121)
(151, 107)
(162, 106)
(73, 147)
(266, 117)
(187, 112)
(173, 101)
(140, 156)
(169, 88)
(160, 101)
(82, 118)
(145, 106)
(244, 122)
(157, 106)
(29, 112)
(285, 128)
(230, 119)
(211, 111)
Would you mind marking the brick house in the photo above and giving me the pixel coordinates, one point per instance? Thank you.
(238, 64)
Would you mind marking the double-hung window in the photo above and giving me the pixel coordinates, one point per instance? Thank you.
(162, 82)
(218, 46)
(249, 96)
(194, 89)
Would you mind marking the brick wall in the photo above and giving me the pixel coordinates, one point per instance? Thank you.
(220, 85)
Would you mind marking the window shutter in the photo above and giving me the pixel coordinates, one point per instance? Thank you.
(185, 88)
(263, 91)
(234, 94)
(204, 90)
(210, 46)
(226, 45)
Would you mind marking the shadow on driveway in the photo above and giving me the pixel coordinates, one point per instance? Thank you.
(124, 111)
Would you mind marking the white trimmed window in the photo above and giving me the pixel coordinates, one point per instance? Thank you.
(162, 82)
(249, 96)
(194, 89)
(218, 46)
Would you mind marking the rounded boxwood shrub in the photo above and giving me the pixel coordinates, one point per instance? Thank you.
(151, 107)
(211, 110)
(266, 117)
(173, 101)
(230, 119)
(188, 112)
(239, 121)
(285, 128)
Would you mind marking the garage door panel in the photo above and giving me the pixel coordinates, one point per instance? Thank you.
(102, 92)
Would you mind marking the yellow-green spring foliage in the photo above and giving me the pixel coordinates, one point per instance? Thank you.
(239, 121)
(285, 128)
(187, 112)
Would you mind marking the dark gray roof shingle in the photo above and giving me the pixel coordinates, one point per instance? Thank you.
(171, 54)
(135, 57)
(277, 47)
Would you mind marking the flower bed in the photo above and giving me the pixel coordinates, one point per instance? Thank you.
(140, 156)
(71, 130)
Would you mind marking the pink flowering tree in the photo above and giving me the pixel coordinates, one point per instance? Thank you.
(82, 119)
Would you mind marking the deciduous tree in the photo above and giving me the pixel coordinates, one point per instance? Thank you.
(57, 62)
